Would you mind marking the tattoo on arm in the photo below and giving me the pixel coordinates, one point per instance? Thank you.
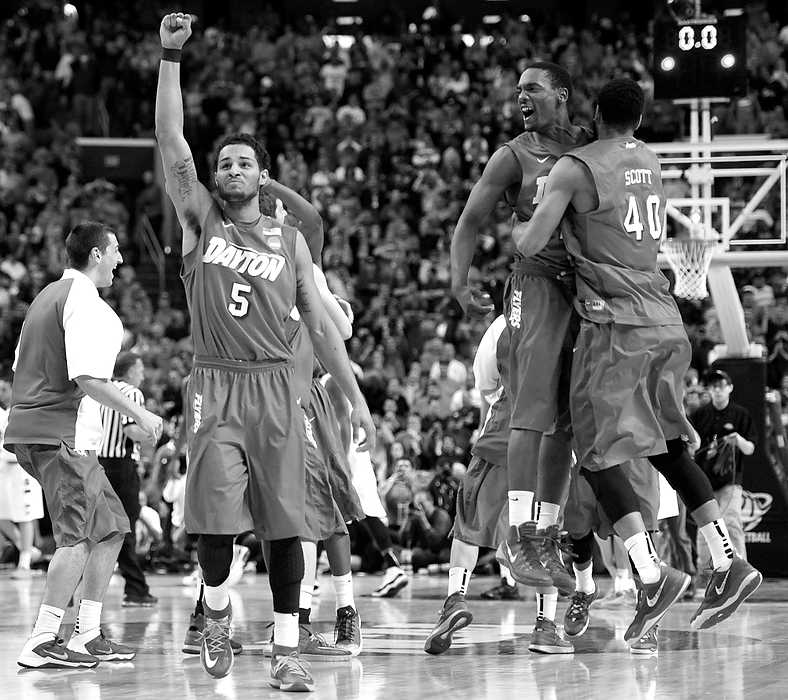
(185, 176)
(302, 301)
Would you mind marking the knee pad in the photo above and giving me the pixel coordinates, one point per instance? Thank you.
(215, 554)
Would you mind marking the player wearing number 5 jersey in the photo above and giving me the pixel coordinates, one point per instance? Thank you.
(631, 353)
(243, 273)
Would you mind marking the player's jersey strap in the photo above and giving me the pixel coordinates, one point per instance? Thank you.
(615, 246)
(240, 284)
(536, 156)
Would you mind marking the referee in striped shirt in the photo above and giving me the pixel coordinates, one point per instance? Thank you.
(119, 454)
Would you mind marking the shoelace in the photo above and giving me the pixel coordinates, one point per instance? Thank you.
(296, 665)
(345, 629)
(576, 606)
(216, 632)
(321, 640)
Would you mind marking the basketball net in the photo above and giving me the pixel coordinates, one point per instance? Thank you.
(689, 258)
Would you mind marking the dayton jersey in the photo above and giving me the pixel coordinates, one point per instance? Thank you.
(241, 285)
(615, 247)
(537, 155)
(491, 370)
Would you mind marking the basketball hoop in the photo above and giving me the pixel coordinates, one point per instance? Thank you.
(689, 258)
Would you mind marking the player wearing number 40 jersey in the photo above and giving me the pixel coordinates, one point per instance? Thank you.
(631, 353)
(243, 273)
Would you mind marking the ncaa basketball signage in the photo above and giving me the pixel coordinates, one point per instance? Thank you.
(764, 506)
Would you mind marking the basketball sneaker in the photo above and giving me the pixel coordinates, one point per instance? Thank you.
(725, 592)
(139, 601)
(347, 630)
(576, 617)
(546, 640)
(394, 580)
(315, 647)
(48, 651)
(549, 548)
(647, 644)
(618, 600)
(193, 639)
(454, 615)
(654, 600)
(520, 554)
(94, 643)
(290, 673)
(216, 652)
(503, 591)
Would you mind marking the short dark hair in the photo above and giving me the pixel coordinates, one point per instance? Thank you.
(559, 76)
(84, 237)
(263, 159)
(620, 102)
(125, 361)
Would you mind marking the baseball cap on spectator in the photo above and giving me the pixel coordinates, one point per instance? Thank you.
(717, 376)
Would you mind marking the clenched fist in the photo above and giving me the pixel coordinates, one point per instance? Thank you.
(175, 29)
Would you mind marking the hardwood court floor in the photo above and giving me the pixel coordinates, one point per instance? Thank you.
(745, 657)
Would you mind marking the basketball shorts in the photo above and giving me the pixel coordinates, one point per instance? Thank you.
(21, 500)
(325, 427)
(627, 389)
(481, 498)
(322, 514)
(539, 316)
(246, 450)
(583, 513)
(82, 504)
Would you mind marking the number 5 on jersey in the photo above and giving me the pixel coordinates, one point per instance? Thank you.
(240, 304)
(633, 220)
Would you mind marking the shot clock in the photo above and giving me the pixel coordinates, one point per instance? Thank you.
(701, 57)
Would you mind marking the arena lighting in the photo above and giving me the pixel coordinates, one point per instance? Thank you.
(69, 11)
(429, 13)
(525, 18)
(491, 19)
(486, 40)
(344, 41)
(668, 63)
(728, 60)
(468, 40)
(347, 21)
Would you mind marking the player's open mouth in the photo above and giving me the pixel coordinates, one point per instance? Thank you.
(527, 112)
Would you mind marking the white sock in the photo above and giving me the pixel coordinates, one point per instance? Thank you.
(216, 597)
(88, 617)
(623, 581)
(343, 590)
(546, 514)
(458, 580)
(716, 535)
(584, 579)
(546, 603)
(506, 575)
(520, 506)
(642, 552)
(25, 559)
(286, 630)
(306, 592)
(48, 621)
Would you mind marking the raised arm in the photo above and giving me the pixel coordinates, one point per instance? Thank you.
(329, 348)
(563, 182)
(190, 198)
(310, 221)
(501, 173)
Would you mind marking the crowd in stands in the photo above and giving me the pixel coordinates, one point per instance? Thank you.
(386, 137)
